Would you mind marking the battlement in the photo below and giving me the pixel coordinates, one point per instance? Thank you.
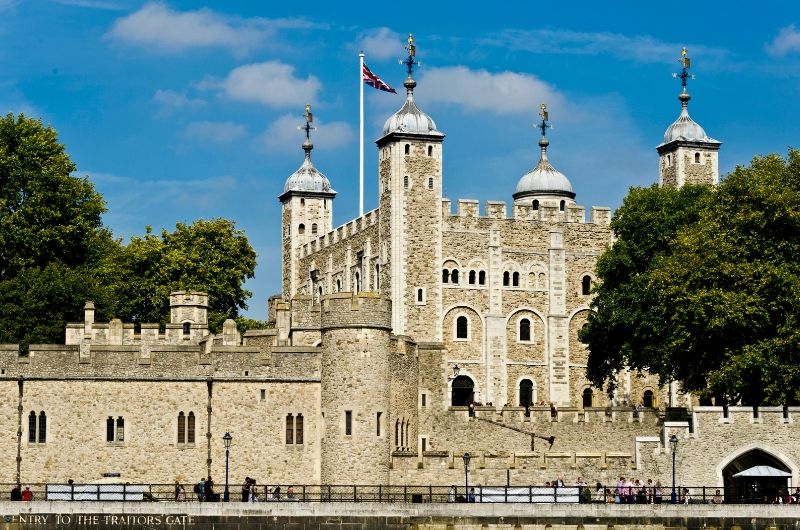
(360, 310)
(470, 209)
(345, 231)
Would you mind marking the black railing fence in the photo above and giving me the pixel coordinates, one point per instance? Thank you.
(400, 494)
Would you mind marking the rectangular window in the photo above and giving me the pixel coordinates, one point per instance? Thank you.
(120, 429)
(348, 422)
(424, 400)
(289, 429)
(110, 429)
(263, 394)
(424, 444)
(42, 427)
(190, 428)
(298, 429)
(378, 423)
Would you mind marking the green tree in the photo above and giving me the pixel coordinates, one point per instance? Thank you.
(52, 242)
(211, 256)
(703, 287)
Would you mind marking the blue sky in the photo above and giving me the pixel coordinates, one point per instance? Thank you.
(184, 110)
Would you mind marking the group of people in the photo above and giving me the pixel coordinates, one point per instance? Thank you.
(204, 490)
(453, 496)
(18, 494)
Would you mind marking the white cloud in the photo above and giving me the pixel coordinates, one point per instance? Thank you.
(381, 43)
(172, 100)
(787, 41)
(640, 48)
(156, 24)
(271, 83)
(476, 90)
(220, 132)
(282, 135)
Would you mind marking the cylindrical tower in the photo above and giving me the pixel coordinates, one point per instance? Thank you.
(355, 388)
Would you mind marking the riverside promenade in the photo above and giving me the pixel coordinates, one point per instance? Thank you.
(59, 515)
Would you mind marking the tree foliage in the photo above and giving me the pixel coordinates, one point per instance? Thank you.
(703, 287)
(211, 256)
(55, 253)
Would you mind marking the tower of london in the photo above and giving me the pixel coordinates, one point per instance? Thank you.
(421, 330)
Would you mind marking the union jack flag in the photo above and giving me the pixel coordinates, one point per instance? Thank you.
(374, 81)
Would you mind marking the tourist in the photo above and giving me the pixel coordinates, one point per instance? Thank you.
(246, 489)
(717, 498)
(208, 491)
(628, 492)
(641, 492)
(619, 491)
(685, 497)
(27, 495)
(658, 493)
(16, 493)
(471, 496)
(200, 489)
(553, 410)
(600, 493)
(451, 495)
(290, 493)
(276, 493)
(610, 499)
(650, 491)
(180, 492)
(253, 491)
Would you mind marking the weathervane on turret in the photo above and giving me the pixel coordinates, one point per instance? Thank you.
(545, 118)
(307, 127)
(684, 74)
(410, 61)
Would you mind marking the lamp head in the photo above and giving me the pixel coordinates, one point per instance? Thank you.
(456, 370)
(466, 458)
(673, 442)
(227, 439)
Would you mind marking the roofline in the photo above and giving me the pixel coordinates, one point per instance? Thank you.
(547, 193)
(313, 194)
(705, 144)
(400, 135)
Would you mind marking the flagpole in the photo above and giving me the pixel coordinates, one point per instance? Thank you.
(361, 136)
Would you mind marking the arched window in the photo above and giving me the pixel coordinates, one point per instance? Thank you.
(42, 427)
(525, 393)
(420, 295)
(462, 327)
(319, 293)
(562, 205)
(338, 285)
(506, 278)
(587, 397)
(445, 276)
(697, 158)
(190, 428)
(454, 276)
(301, 229)
(408, 148)
(181, 428)
(472, 277)
(542, 284)
(313, 228)
(289, 429)
(397, 433)
(647, 399)
(377, 276)
(430, 150)
(32, 427)
(535, 204)
(462, 392)
(356, 283)
(525, 330)
(120, 429)
(430, 183)
(482, 278)
(586, 285)
(187, 328)
(669, 160)
(515, 279)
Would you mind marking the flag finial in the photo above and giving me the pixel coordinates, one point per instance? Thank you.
(684, 75)
(307, 128)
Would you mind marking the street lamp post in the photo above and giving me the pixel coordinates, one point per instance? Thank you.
(466, 458)
(673, 442)
(227, 441)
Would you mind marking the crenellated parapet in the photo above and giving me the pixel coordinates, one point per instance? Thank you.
(497, 210)
(341, 233)
(366, 310)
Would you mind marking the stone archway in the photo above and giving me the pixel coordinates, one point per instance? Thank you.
(753, 489)
(463, 391)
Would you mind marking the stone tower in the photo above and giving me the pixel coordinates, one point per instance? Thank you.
(188, 310)
(410, 198)
(687, 155)
(355, 383)
(306, 213)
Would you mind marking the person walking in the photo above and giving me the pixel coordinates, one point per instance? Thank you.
(27, 495)
(200, 489)
(246, 489)
(451, 495)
